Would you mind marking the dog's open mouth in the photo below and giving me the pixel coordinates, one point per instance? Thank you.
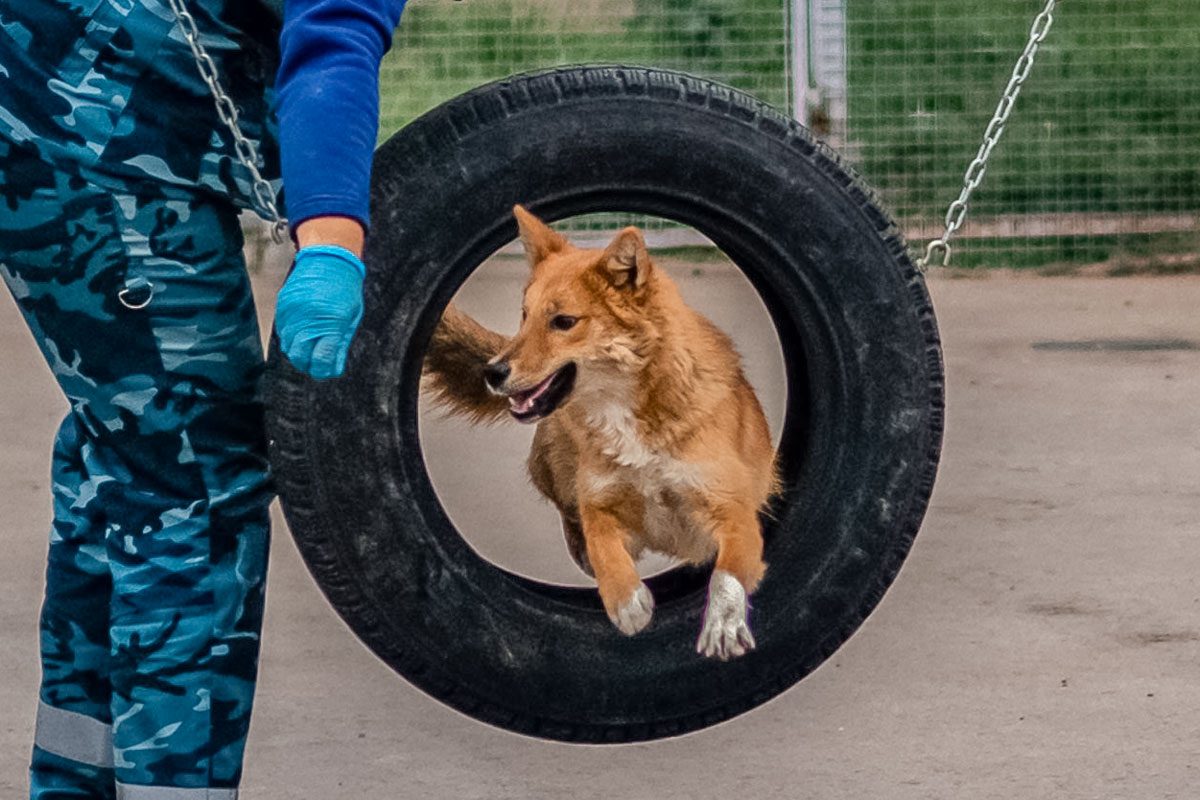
(532, 404)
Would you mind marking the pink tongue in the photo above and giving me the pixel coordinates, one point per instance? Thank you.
(525, 404)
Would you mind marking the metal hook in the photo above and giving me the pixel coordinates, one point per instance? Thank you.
(937, 245)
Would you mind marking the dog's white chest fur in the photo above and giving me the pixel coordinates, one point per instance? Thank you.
(660, 478)
(651, 471)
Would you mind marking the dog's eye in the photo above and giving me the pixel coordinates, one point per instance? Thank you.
(562, 322)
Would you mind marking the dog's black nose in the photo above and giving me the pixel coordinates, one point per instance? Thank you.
(496, 374)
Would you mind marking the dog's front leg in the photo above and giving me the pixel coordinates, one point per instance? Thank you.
(626, 599)
(726, 630)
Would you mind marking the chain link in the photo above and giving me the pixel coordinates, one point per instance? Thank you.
(956, 214)
(247, 152)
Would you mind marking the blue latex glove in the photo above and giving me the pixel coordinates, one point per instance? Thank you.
(319, 308)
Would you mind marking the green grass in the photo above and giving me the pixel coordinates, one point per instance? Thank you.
(1108, 122)
(442, 49)
(1163, 253)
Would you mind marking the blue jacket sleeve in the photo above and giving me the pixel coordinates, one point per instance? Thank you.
(328, 103)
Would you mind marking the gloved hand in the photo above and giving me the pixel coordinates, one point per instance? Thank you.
(319, 308)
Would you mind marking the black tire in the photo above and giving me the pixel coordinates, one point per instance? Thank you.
(859, 447)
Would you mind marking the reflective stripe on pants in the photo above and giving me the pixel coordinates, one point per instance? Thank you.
(134, 792)
(74, 736)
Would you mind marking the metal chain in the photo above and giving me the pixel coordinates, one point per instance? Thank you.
(247, 152)
(956, 215)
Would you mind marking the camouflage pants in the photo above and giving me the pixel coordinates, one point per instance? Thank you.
(154, 588)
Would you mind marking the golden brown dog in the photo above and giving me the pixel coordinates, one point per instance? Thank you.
(649, 437)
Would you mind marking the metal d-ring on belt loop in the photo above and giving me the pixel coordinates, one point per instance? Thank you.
(247, 152)
(956, 215)
(135, 305)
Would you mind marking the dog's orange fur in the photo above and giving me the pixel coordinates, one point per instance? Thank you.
(662, 443)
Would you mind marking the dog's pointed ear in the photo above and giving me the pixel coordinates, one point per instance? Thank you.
(537, 237)
(626, 261)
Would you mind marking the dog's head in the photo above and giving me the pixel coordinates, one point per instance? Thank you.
(585, 320)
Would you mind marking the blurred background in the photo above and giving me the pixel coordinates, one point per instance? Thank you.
(1098, 168)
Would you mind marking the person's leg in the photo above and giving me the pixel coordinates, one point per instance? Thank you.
(184, 435)
(72, 756)
(166, 401)
(47, 258)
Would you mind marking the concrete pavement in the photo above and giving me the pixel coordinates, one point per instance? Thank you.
(1042, 641)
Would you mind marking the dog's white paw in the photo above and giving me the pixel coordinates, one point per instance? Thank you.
(725, 634)
(636, 613)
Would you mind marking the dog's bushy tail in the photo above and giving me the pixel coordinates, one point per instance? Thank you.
(453, 373)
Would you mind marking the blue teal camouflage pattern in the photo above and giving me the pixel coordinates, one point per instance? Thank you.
(157, 555)
(111, 88)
